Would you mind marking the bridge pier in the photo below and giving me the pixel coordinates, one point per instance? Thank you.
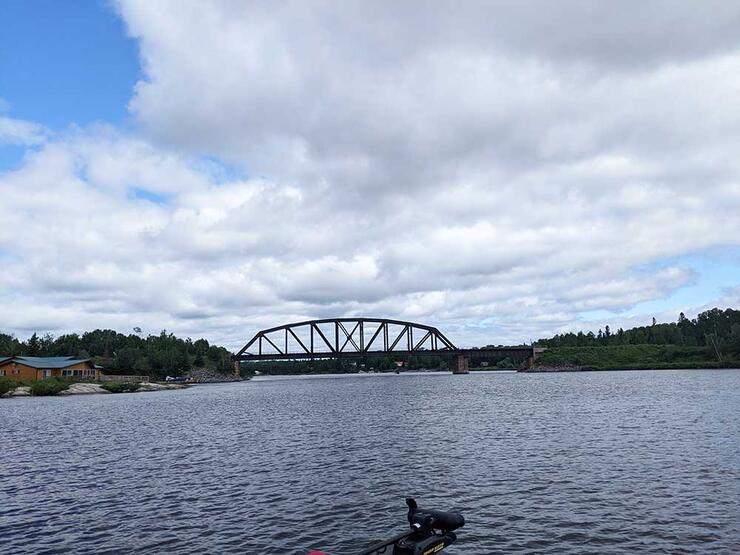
(531, 359)
(460, 364)
(237, 369)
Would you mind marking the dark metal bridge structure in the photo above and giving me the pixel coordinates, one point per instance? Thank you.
(341, 338)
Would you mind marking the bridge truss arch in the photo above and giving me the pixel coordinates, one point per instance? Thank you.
(345, 338)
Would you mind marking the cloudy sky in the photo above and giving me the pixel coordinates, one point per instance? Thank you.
(504, 170)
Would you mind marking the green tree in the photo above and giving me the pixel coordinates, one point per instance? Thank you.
(32, 347)
(125, 359)
(9, 345)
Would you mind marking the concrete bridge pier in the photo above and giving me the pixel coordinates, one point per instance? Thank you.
(460, 364)
(532, 358)
(237, 368)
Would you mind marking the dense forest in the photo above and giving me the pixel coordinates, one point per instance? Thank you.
(153, 355)
(710, 339)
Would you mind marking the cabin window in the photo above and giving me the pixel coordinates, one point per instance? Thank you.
(46, 373)
(2, 372)
(16, 370)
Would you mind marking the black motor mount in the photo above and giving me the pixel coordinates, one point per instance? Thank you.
(431, 531)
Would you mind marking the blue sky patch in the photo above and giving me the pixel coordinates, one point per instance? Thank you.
(66, 62)
(150, 196)
(11, 157)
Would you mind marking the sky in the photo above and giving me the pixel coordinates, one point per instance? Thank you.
(502, 170)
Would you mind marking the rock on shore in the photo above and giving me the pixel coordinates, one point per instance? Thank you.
(147, 386)
(206, 375)
(83, 389)
(21, 391)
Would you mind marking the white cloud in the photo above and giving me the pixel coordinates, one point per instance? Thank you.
(432, 164)
(20, 132)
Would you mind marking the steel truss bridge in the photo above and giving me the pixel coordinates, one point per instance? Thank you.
(365, 337)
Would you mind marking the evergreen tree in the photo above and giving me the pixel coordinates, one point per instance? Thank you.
(33, 348)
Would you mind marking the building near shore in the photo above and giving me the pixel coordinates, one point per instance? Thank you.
(39, 368)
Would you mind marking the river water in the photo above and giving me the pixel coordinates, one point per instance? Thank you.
(593, 462)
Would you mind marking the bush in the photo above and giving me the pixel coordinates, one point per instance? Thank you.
(48, 387)
(6, 385)
(120, 387)
(505, 363)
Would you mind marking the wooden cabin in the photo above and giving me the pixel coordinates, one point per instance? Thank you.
(38, 368)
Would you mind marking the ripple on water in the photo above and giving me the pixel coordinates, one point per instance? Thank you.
(564, 463)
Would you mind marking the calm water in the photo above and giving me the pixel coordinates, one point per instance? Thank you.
(612, 462)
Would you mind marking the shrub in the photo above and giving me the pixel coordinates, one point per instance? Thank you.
(48, 387)
(505, 363)
(6, 385)
(627, 357)
(120, 387)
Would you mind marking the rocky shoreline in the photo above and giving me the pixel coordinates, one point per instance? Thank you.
(564, 368)
(94, 389)
(205, 375)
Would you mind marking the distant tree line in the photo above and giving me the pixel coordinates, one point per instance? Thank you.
(716, 329)
(344, 366)
(153, 355)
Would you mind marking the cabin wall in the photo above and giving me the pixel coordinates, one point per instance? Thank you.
(18, 371)
(81, 370)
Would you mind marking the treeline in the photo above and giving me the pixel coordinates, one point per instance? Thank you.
(716, 330)
(344, 366)
(153, 355)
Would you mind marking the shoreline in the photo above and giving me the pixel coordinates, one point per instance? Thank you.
(87, 388)
(556, 369)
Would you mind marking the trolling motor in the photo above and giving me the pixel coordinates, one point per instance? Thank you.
(431, 531)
